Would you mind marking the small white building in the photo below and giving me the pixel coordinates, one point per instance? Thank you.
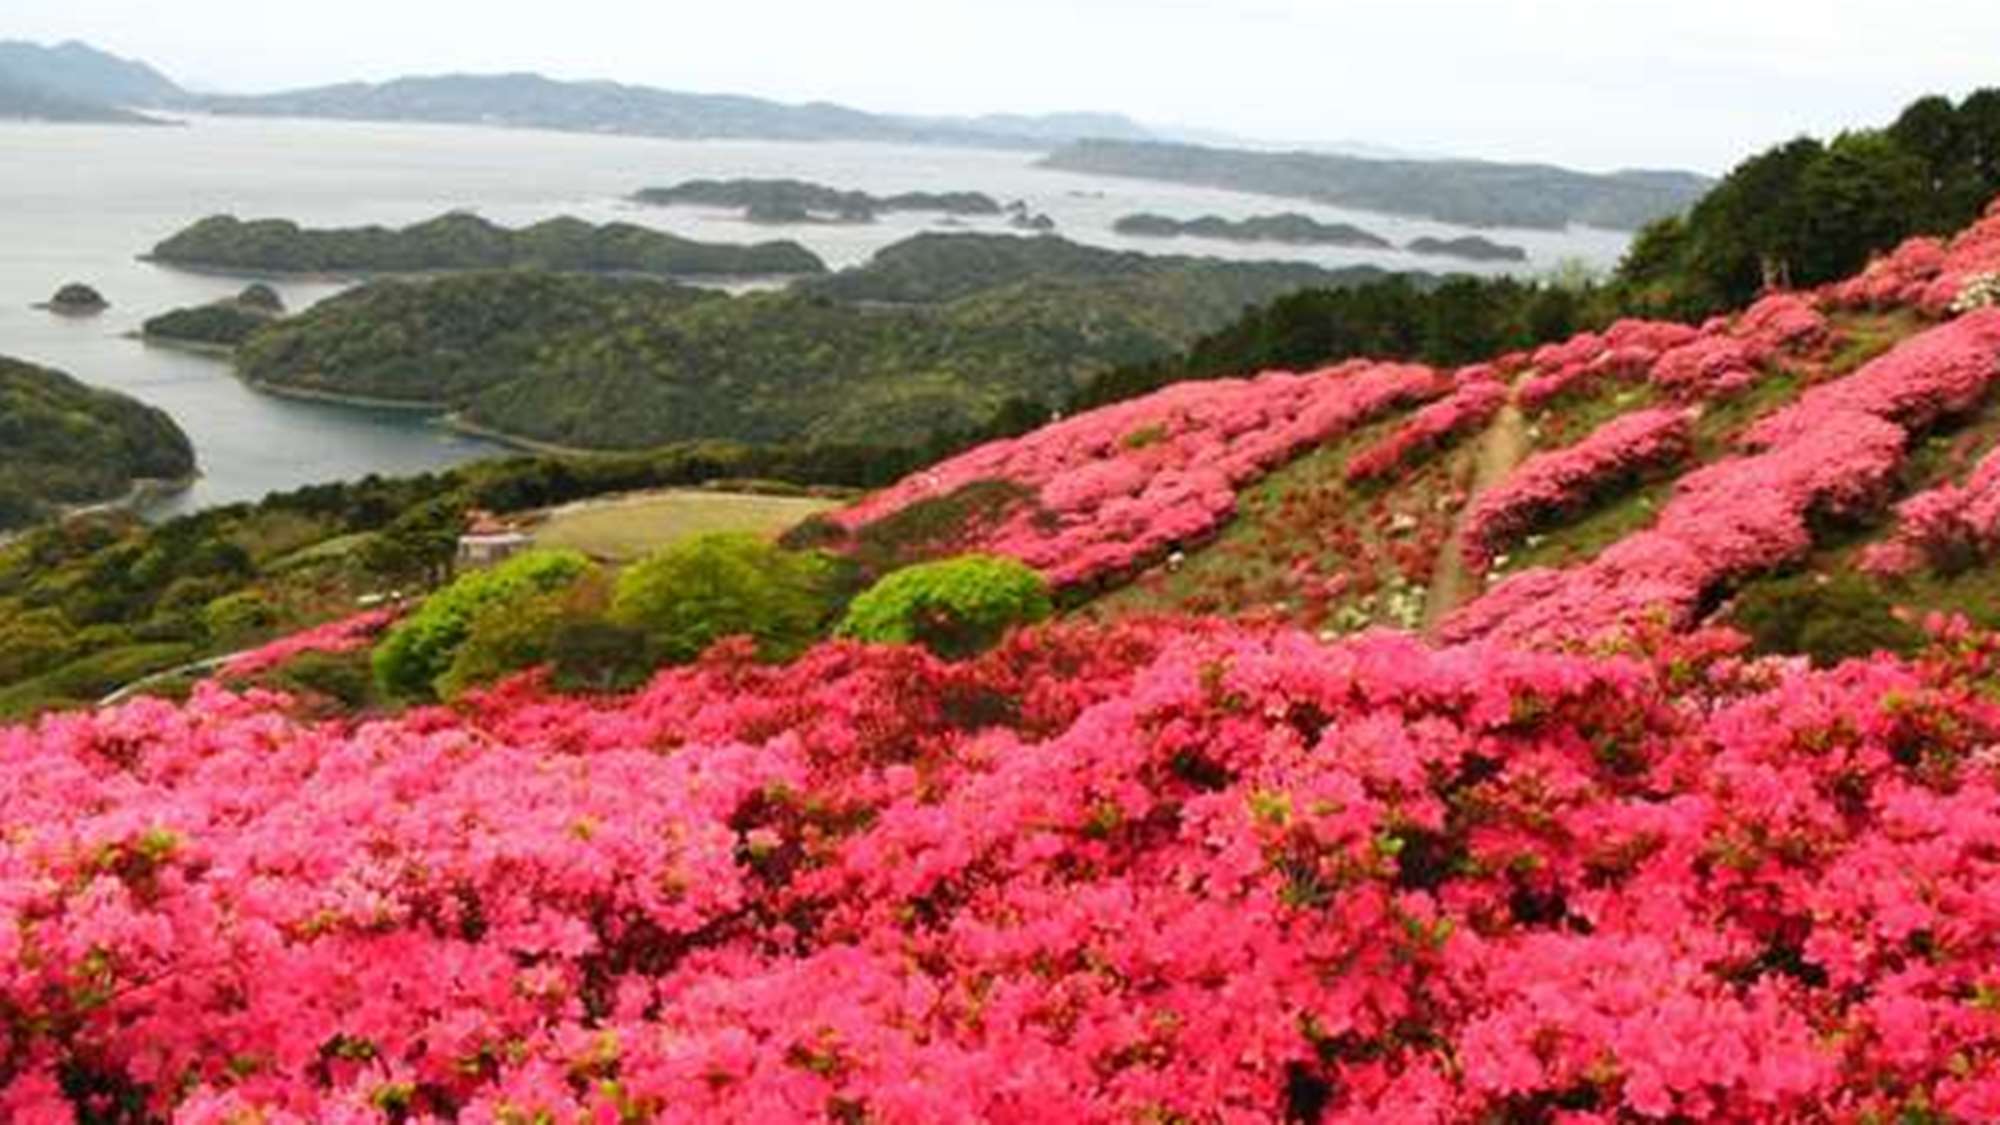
(489, 540)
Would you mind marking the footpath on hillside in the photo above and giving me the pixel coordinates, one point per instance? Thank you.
(1501, 447)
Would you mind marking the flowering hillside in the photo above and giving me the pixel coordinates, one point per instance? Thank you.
(1171, 872)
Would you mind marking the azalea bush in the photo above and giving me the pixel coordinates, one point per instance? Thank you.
(1102, 493)
(1950, 528)
(1831, 457)
(954, 607)
(1564, 481)
(1187, 871)
(1468, 408)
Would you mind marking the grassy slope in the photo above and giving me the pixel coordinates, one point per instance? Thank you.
(622, 529)
(1305, 515)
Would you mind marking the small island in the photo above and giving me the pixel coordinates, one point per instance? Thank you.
(217, 327)
(1471, 247)
(76, 299)
(1290, 227)
(782, 201)
(459, 241)
(69, 445)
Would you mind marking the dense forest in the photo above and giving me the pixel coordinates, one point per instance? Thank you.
(462, 241)
(1807, 211)
(936, 335)
(62, 442)
(785, 200)
(1471, 193)
(1290, 227)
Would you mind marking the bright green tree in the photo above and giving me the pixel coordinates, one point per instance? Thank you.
(411, 660)
(727, 584)
(954, 607)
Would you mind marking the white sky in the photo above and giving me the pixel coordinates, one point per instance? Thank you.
(1685, 83)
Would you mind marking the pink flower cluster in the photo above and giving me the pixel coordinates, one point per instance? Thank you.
(345, 635)
(1561, 481)
(1940, 373)
(1834, 452)
(1468, 408)
(1626, 351)
(1925, 273)
(1171, 872)
(1949, 528)
(1714, 361)
(1125, 483)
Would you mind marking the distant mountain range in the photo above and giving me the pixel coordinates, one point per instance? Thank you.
(77, 82)
(1475, 193)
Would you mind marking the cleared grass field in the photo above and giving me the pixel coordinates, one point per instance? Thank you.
(622, 529)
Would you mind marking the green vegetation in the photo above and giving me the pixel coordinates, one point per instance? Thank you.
(797, 201)
(621, 529)
(1467, 192)
(224, 324)
(76, 297)
(955, 607)
(414, 659)
(697, 592)
(62, 442)
(1462, 320)
(1827, 618)
(1471, 247)
(1808, 212)
(1016, 326)
(462, 241)
(1290, 227)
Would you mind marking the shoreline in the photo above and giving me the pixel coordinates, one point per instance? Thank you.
(196, 347)
(143, 492)
(336, 398)
(363, 277)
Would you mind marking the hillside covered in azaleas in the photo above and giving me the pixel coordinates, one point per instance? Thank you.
(1577, 856)
(1177, 871)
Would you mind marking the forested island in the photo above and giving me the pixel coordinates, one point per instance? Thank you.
(1470, 247)
(462, 241)
(1472, 193)
(63, 443)
(611, 363)
(219, 325)
(1289, 227)
(779, 201)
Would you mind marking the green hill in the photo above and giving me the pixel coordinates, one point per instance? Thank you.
(607, 363)
(462, 241)
(62, 442)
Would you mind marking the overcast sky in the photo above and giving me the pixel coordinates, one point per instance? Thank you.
(1589, 83)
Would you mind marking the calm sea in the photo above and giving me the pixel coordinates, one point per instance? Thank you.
(78, 203)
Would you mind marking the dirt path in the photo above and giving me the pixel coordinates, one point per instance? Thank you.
(1501, 447)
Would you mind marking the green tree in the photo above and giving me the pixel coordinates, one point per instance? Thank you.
(412, 659)
(954, 607)
(696, 592)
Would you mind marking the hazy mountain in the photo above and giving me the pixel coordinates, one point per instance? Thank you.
(535, 101)
(82, 73)
(32, 103)
(1467, 192)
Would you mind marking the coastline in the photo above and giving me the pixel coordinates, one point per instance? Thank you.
(363, 277)
(308, 394)
(197, 347)
(143, 491)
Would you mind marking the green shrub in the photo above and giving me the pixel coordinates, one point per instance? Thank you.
(343, 677)
(410, 661)
(700, 590)
(954, 607)
(1826, 619)
(590, 655)
(235, 618)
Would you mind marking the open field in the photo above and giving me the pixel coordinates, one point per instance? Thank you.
(621, 529)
